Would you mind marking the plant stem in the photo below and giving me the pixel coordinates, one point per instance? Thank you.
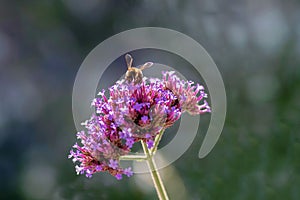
(156, 142)
(159, 186)
(136, 157)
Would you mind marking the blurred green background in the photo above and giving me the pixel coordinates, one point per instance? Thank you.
(256, 46)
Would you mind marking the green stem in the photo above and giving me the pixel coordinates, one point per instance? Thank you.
(156, 141)
(136, 157)
(159, 186)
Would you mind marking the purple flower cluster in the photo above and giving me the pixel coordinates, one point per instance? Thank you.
(133, 112)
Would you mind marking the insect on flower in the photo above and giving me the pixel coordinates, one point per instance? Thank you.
(136, 111)
(134, 75)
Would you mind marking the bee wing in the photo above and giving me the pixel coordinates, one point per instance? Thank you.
(129, 60)
(146, 65)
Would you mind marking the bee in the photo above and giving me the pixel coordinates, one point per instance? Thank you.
(135, 75)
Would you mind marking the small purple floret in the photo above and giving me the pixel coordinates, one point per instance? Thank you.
(150, 144)
(118, 176)
(128, 172)
(113, 164)
(144, 119)
(129, 142)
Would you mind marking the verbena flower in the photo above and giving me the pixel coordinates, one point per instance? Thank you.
(189, 95)
(131, 113)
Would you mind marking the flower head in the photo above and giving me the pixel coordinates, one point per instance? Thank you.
(189, 95)
(131, 113)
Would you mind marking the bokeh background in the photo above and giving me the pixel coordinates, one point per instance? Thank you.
(256, 46)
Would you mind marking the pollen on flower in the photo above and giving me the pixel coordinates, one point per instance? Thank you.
(130, 114)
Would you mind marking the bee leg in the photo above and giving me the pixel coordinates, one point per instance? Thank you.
(138, 77)
(129, 76)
